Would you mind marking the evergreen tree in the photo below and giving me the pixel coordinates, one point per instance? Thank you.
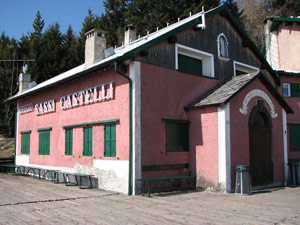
(8, 79)
(114, 20)
(36, 67)
(235, 10)
(71, 58)
(90, 22)
(51, 54)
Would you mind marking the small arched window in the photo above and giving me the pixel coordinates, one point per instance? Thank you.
(222, 46)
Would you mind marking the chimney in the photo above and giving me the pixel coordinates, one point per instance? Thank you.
(95, 45)
(130, 34)
(24, 79)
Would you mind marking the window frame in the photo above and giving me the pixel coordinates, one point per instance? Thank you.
(186, 142)
(226, 56)
(288, 85)
(110, 141)
(243, 67)
(207, 59)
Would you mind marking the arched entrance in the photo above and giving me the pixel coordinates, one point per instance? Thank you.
(260, 139)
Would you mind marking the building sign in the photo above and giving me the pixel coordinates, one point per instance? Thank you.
(257, 93)
(45, 107)
(95, 94)
(25, 108)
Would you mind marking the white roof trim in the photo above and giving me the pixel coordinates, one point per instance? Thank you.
(120, 51)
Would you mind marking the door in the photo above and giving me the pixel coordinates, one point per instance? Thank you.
(260, 138)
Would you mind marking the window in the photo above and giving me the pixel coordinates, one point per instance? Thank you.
(222, 46)
(25, 142)
(44, 143)
(69, 141)
(177, 134)
(294, 135)
(190, 60)
(295, 90)
(87, 141)
(286, 90)
(189, 64)
(241, 68)
(110, 140)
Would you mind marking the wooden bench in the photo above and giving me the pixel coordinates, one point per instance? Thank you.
(78, 179)
(163, 179)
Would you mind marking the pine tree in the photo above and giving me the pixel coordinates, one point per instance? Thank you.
(8, 80)
(70, 58)
(51, 54)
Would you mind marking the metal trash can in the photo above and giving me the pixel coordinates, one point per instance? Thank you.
(242, 181)
(294, 174)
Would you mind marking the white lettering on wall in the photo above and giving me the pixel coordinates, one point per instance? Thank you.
(87, 96)
(257, 93)
(45, 107)
(25, 108)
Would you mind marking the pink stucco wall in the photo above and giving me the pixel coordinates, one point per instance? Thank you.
(239, 133)
(204, 142)
(165, 92)
(116, 108)
(294, 102)
(289, 47)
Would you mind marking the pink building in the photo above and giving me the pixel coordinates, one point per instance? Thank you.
(194, 97)
(282, 52)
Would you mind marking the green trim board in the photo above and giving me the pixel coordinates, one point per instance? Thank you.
(164, 167)
(92, 123)
(25, 131)
(175, 120)
(45, 129)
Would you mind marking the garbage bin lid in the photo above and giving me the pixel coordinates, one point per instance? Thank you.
(244, 166)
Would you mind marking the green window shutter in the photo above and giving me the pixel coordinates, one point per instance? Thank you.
(294, 135)
(44, 143)
(177, 137)
(88, 141)
(295, 90)
(25, 143)
(69, 141)
(110, 140)
(189, 65)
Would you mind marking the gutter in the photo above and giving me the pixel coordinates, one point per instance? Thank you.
(130, 127)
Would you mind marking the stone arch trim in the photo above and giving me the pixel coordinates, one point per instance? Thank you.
(261, 94)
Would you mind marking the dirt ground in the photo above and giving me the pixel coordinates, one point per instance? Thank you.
(25, 200)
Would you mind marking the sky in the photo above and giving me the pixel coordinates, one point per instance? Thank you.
(17, 16)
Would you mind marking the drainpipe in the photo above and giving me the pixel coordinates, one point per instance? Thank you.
(16, 132)
(130, 126)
